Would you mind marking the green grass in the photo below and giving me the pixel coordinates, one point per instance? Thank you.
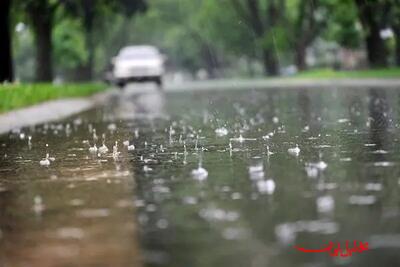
(332, 74)
(13, 96)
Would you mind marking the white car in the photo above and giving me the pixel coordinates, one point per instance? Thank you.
(138, 64)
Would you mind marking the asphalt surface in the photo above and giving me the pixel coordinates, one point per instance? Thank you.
(209, 177)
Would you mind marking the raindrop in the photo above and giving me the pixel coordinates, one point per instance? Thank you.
(115, 150)
(236, 196)
(93, 213)
(199, 174)
(112, 127)
(190, 200)
(38, 206)
(147, 168)
(362, 200)
(221, 131)
(294, 151)
(383, 164)
(93, 149)
(321, 165)
(266, 186)
(103, 149)
(268, 136)
(373, 187)
(30, 142)
(95, 138)
(151, 208)
(215, 214)
(70, 233)
(197, 140)
(306, 129)
(46, 161)
(241, 139)
(379, 151)
(257, 165)
(234, 233)
(286, 233)
(325, 204)
(269, 153)
(311, 171)
(162, 223)
(76, 202)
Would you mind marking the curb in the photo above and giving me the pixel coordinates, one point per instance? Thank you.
(49, 111)
(290, 83)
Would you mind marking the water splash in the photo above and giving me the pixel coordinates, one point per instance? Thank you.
(266, 186)
(294, 151)
(222, 131)
(200, 173)
(103, 149)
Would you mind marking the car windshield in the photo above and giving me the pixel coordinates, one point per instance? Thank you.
(139, 53)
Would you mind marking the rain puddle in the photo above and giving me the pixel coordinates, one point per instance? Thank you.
(210, 178)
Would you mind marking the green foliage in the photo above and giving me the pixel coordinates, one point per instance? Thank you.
(343, 26)
(194, 34)
(69, 44)
(230, 32)
(277, 39)
(14, 96)
(172, 25)
(23, 52)
(333, 74)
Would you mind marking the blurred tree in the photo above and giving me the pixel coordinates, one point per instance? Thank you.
(373, 15)
(6, 71)
(227, 34)
(343, 24)
(310, 20)
(69, 46)
(395, 24)
(91, 13)
(262, 17)
(41, 16)
(194, 29)
(177, 27)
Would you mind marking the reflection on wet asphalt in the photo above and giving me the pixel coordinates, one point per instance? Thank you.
(210, 178)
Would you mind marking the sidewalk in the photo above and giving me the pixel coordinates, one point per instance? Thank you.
(49, 111)
(283, 83)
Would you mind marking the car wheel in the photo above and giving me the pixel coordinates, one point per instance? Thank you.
(121, 84)
(159, 82)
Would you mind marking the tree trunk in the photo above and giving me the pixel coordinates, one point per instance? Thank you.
(42, 26)
(376, 50)
(6, 72)
(397, 38)
(88, 13)
(84, 72)
(249, 67)
(88, 67)
(300, 57)
(372, 22)
(209, 59)
(270, 63)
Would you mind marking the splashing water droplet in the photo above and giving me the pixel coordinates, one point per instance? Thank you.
(266, 186)
(294, 151)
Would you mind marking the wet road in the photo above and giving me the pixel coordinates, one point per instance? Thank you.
(210, 178)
